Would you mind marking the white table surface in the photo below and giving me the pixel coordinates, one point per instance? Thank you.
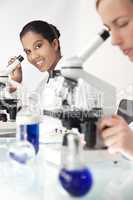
(112, 175)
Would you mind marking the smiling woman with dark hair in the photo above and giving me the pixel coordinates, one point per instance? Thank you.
(40, 41)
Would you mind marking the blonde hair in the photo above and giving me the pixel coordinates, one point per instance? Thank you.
(98, 2)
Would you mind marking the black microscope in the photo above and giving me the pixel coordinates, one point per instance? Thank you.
(8, 103)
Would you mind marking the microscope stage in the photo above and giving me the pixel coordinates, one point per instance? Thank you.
(8, 129)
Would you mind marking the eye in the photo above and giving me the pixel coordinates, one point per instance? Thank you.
(27, 51)
(122, 24)
(37, 46)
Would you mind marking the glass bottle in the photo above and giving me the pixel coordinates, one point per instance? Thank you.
(27, 122)
(27, 136)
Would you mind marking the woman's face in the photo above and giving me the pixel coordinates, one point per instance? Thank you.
(40, 52)
(117, 15)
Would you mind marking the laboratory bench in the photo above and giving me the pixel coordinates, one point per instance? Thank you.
(38, 180)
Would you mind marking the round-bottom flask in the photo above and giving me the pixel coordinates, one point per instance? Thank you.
(76, 182)
(22, 152)
(74, 176)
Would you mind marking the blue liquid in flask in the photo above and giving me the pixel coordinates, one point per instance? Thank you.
(76, 182)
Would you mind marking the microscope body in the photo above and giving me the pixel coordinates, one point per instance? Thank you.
(8, 102)
(80, 107)
(8, 109)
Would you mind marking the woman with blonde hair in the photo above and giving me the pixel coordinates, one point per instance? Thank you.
(117, 16)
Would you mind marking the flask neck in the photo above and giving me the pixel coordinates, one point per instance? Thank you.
(71, 153)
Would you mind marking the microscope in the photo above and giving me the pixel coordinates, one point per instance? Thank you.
(78, 109)
(8, 103)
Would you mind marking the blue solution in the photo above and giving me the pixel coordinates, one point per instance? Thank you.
(76, 182)
(32, 131)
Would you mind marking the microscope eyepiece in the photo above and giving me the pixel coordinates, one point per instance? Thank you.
(20, 58)
(105, 34)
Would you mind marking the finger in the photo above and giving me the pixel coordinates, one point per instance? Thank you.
(106, 132)
(114, 130)
(110, 140)
(18, 66)
(107, 122)
(16, 75)
(114, 120)
(12, 88)
(17, 70)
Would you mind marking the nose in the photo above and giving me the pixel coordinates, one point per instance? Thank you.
(32, 55)
(116, 38)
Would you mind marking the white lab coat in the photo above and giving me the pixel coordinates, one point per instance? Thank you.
(45, 97)
(86, 97)
(44, 92)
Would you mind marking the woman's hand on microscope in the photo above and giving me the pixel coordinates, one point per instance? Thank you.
(116, 135)
(16, 74)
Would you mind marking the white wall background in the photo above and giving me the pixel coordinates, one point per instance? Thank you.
(78, 23)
